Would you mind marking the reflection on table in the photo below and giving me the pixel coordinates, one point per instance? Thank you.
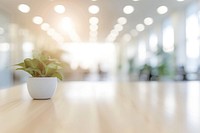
(104, 107)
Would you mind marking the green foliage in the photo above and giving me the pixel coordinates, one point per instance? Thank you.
(41, 65)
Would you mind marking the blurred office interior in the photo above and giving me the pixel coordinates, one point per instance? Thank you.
(103, 40)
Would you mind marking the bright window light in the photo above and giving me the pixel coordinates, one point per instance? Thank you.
(192, 24)
(27, 46)
(93, 33)
(57, 37)
(66, 24)
(93, 9)
(89, 56)
(4, 47)
(168, 39)
(2, 31)
(162, 9)
(59, 9)
(24, 8)
(128, 9)
(192, 36)
(142, 51)
(153, 42)
(37, 20)
(192, 49)
(93, 39)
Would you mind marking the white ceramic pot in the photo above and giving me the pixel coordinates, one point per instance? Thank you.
(42, 87)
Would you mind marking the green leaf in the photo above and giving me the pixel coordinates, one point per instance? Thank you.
(58, 75)
(32, 71)
(20, 64)
(41, 66)
(50, 69)
(30, 63)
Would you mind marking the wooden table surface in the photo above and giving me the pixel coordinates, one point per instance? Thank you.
(104, 107)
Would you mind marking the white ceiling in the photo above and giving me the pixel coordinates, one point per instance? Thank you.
(110, 11)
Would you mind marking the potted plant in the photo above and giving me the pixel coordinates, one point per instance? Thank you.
(44, 71)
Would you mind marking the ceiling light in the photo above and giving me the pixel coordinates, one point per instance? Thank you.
(127, 37)
(50, 31)
(128, 9)
(118, 27)
(162, 9)
(136, 0)
(140, 27)
(93, 9)
(45, 26)
(94, 27)
(122, 20)
(37, 20)
(93, 20)
(110, 38)
(134, 33)
(180, 0)
(114, 33)
(148, 21)
(59, 9)
(24, 8)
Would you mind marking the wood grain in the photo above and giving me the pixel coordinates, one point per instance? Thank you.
(103, 107)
